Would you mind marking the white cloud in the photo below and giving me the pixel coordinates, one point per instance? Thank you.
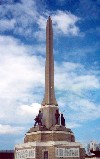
(26, 20)
(81, 104)
(24, 17)
(20, 75)
(39, 49)
(82, 109)
(13, 46)
(25, 114)
(85, 82)
(75, 85)
(7, 129)
(78, 111)
(83, 51)
(16, 65)
(42, 22)
(73, 78)
(7, 24)
(31, 110)
(65, 22)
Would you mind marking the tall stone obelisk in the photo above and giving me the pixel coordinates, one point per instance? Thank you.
(49, 97)
(49, 103)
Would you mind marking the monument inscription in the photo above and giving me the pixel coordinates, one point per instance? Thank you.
(67, 152)
(25, 153)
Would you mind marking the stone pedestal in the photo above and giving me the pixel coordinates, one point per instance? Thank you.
(56, 133)
(49, 150)
(56, 143)
(49, 141)
(49, 115)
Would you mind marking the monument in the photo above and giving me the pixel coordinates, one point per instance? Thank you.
(49, 138)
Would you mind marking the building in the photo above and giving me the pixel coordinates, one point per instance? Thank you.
(94, 155)
(93, 147)
(50, 139)
(93, 150)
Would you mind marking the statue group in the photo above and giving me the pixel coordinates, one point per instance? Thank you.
(58, 116)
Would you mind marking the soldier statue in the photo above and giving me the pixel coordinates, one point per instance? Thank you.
(62, 120)
(38, 119)
(40, 115)
(57, 116)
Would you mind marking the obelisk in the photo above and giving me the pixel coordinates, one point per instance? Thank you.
(49, 97)
(49, 104)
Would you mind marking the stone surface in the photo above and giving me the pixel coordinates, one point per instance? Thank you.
(51, 147)
(49, 97)
(60, 128)
(37, 128)
(49, 115)
(58, 134)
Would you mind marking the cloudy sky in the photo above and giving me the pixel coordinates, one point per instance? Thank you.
(76, 27)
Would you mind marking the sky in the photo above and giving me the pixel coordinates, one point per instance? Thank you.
(76, 30)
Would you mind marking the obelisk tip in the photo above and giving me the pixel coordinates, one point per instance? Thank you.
(49, 17)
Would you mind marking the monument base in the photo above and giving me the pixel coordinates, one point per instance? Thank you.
(55, 133)
(56, 143)
(49, 150)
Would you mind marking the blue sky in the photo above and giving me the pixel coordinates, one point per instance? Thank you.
(76, 28)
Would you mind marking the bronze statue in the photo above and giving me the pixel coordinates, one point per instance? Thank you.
(38, 119)
(40, 115)
(62, 120)
(57, 116)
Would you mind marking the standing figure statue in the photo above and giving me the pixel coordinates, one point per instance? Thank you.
(57, 116)
(38, 119)
(62, 120)
(40, 115)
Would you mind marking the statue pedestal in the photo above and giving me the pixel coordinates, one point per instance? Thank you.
(49, 141)
(49, 115)
(56, 143)
(49, 150)
(56, 133)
